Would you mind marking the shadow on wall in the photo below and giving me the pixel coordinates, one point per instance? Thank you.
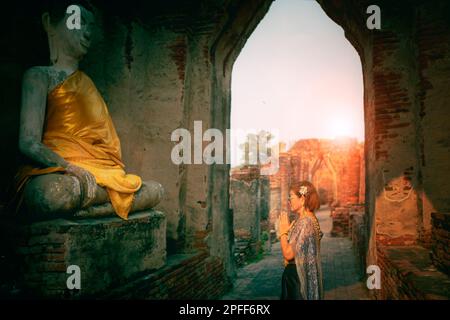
(24, 44)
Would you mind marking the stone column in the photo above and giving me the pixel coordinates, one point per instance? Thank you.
(285, 170)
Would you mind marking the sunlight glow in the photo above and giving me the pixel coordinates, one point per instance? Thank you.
(299, 74)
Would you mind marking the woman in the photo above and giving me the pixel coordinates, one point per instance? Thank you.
(300, 245)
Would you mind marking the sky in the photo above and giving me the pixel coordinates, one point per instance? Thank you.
(298, 76)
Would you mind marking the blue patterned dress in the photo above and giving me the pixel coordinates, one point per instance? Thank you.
(304, 237)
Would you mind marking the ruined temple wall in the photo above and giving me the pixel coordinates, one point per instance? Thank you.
(250, 200)
(245, 205)
(264, 197)
(403, 67)
(274, 205)
(349, 175)
(137, 74)
(395, 163)
(362, 175)
(160, 79)
(140, 71)
(340, 164)
(406, 131)
(432, 38)
(24, 44)
(151, 74)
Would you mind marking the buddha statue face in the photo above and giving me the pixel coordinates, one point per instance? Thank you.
(64, 41)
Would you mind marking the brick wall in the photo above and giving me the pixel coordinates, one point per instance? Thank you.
(440, 247)
(340, 216)
(407, 273)
(250, 200)
(194, 276)
(109, 252)
(393, 284)
(358, 235)
(245, 205)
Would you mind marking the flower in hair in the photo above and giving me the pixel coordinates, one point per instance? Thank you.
(303, 190)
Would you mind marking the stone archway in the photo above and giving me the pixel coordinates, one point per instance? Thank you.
(396, 91)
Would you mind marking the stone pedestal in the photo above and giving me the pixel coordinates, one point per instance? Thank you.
(109, 252)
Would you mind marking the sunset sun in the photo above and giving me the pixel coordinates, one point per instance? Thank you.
(341, 127)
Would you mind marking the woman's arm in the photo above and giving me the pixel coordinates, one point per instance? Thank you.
(286, 248)
(32, 116)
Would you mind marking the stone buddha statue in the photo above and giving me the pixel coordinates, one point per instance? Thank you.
(75, 164)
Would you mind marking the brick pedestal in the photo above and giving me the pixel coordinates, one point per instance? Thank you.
(109, 252)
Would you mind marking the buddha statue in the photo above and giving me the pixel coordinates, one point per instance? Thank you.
(74, 156)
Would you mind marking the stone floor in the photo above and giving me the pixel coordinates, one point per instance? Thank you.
(262, 280)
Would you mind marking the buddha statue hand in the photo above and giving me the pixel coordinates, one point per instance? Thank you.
(88, 184)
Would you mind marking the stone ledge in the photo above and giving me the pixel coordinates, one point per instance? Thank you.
(408, 273)
(185, 276)
(109, 252)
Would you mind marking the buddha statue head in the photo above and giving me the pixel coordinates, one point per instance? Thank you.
(69, 31)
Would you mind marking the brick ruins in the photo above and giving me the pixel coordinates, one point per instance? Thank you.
(162, 66)
(336, 168)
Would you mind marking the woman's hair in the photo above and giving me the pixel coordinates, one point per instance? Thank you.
(57, 8)
(307, 189)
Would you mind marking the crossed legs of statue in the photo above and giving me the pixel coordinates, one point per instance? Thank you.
(56, 195)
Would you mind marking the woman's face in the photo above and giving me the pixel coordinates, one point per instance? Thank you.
(295, 202)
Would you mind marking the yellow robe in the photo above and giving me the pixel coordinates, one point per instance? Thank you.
(79, 128)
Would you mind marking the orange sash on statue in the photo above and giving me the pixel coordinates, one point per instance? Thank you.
(79, 128)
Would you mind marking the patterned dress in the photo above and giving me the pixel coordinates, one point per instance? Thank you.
(304, 237)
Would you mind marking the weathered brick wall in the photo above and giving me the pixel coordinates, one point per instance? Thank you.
(358, 235)
(395, 149)
(162, 66)
(362, 175)
(285, 174)
(335, 167)
(264, 197)
(406, 121)
(250, 199)
(432, 25)
(188, 276)
(340, 216)
(350, 178)
(109, 252)
(440, 243)
(244, 202)
(319, 159)
(407, 273)
(275, 206)
(393, 285)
